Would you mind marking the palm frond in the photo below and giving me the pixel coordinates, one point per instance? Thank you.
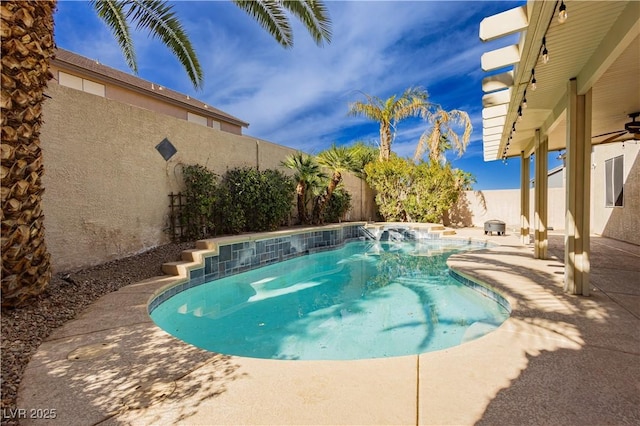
(271, 16)
(443, 136)
(112, 14)
(315, 17)
(158, 17)
(337, 158)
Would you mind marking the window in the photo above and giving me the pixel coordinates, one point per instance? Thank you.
(614, 177)
(78, 83)
(195, 118)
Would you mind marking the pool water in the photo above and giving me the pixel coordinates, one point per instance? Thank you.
(364, 300)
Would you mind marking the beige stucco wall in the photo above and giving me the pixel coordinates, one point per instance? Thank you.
(476, 207)
(106, 185)
(622, 223)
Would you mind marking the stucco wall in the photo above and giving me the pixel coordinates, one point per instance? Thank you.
(476, 207)
(107, 186)
(622, 223)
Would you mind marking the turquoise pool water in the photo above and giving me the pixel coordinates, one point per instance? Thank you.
(364, 300)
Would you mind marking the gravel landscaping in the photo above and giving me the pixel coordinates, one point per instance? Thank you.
(67, 295)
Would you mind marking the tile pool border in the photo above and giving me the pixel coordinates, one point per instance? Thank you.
(226, 256)
(485, 290)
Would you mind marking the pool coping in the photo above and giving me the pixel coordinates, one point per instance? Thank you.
(557, 359)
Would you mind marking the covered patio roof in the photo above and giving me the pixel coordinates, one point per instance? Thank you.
(598, 45)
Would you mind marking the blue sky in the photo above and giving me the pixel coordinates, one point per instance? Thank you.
(299, 97)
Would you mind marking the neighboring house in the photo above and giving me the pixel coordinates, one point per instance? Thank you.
(75, 71)
(555, 178)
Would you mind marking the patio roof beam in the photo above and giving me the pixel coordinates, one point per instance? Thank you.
(496, 98)
(540, 16)
(500, 58)
(497, 82)
(504, 23)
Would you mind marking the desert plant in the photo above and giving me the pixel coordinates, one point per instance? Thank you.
(389, 112)
(338, 159)
(308, 175)
(339, 204)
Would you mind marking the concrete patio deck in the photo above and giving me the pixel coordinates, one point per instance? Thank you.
(558, 359)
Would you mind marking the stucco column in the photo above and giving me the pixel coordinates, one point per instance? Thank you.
(577, 218)
(524, 199)
(540, 207)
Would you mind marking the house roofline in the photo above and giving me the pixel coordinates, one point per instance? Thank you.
(74, 62)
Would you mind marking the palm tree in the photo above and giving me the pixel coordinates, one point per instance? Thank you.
(363, 154)
(412, 103)
(338, 160)
(272, 17)
(307, 174)
(442, 136)
(27, 48)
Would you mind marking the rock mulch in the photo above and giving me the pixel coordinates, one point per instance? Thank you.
(68, 294)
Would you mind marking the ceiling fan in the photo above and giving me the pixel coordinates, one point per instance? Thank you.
(631, 131)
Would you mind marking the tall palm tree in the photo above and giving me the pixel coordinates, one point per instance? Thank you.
(443, 136)
(26, 30)
(412, 103)
(338, 160)
(307, 174)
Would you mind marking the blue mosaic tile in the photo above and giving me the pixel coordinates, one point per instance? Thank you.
(225, 253)
(196, 273)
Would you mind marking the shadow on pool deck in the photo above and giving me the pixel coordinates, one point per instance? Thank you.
(559, 359)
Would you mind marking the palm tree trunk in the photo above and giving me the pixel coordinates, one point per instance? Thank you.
(302, 208)
(323, 200)
(385, 142)
(27, 48)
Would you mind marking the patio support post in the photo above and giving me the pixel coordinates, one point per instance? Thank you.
(577, 218)
(524, 199)
(540, 208)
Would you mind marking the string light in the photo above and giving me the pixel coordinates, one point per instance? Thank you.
(562, 13)
(524, 100)
(545, 52)
(520, 113)
(534, 82)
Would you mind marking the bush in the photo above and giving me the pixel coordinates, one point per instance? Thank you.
(409, 192)
(339, 204)
(264, 197)
(244, 199)
(200, 190)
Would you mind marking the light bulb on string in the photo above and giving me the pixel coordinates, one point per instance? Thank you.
(520, 113)
(534, 82)
(545, 52)
(562, 13)
(524, 100)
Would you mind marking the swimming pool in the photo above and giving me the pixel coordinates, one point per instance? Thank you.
(364, 300)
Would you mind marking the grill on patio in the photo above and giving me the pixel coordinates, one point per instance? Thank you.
(496, 226)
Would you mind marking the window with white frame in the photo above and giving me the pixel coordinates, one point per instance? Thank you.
(614, 181)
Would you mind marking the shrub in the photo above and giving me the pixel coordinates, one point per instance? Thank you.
(415, 192)
(339, 204)
(244, 199)
(200, 190)
(264, 197)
